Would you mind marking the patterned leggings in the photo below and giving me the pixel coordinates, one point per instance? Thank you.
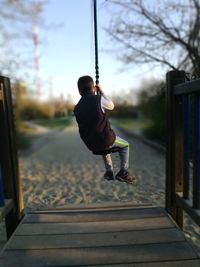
(123, 154)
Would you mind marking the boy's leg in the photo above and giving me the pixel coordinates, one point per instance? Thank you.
(108, 162)
(123, 146)
(109, 167)
(123, 175)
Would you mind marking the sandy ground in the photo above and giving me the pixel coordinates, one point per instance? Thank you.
(59, 170)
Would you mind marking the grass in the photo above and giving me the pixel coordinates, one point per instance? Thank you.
(54, 123)
(25, 135)
(133, 124)
(24, 140)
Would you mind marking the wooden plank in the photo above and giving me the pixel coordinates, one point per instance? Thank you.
(9, 205)
(91, 207)
(94, 256)
(173, 78)
(185, 263)
(95, 215)
(96, 239)
(187, 205)
(92, 227)
(187, 88)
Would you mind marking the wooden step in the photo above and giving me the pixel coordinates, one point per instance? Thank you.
(119, 237)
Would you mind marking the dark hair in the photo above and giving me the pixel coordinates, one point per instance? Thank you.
(85, 84)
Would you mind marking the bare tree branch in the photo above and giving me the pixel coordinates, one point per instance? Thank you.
(142, 54)
(158, 33)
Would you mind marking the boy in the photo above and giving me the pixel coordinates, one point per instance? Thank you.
(95, 129)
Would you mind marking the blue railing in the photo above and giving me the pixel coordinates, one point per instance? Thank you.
(187, 154)
(196, 161)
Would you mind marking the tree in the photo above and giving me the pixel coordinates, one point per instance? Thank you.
(151, 102)
(165, 32)
(17, 18)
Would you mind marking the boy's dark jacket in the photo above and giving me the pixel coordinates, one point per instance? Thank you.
(94, 126)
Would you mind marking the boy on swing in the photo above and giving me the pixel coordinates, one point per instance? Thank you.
(95, 129)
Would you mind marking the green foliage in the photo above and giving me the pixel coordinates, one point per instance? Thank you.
(124, 105)
(54, 123)
(133, 124)
(25, 135)
(46, 113)
(152, 105)
(124, 111)
(27, 108)
(31, 109)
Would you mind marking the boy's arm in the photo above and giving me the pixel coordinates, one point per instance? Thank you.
(106, 103)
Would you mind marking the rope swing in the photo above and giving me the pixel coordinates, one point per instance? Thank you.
(96, 42)
(114, 149)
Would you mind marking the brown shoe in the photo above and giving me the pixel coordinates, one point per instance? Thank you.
(124, 176)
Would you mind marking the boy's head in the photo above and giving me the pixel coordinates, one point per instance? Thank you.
(85, 84)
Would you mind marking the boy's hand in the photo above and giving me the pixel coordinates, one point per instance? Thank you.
(99, 90)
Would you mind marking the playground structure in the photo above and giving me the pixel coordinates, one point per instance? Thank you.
(11, 198)
(116, 235)
(183, 147)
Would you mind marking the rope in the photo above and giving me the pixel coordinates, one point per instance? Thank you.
(96, 42)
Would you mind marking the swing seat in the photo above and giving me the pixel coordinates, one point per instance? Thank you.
(106, 151)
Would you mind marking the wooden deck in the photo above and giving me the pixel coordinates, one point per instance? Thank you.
(117, 236)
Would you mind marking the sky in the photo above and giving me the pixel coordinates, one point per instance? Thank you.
(67, 52)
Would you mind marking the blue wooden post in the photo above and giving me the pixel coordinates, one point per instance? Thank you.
(196, 175)
(186, 126)
(2, 203)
